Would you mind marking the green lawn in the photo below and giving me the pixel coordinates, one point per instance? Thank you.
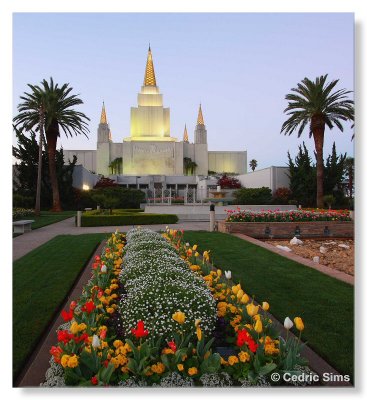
(325, 304)
(49, 217)
(42, 280)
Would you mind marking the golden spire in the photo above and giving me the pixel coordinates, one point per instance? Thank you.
(103, 115)
(185, 136)
(149, 79)
(200, 117)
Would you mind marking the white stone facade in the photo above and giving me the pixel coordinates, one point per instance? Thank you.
(150, 149)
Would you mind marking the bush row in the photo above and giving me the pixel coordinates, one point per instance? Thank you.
(128, 219)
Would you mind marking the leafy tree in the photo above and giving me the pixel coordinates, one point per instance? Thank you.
(57, 103)
(313, 103)
(228, 182)
(25, 177)
(253, 164)
(302, 176)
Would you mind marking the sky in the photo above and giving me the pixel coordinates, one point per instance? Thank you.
(239, 66)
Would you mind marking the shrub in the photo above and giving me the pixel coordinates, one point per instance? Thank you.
(228, 182)
(122, 198)
(253, 196)
(19, 213)
(282, 195)
(23, 201)
(128, 219)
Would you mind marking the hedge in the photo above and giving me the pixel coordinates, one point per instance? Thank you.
(128, 219)
(115, 212)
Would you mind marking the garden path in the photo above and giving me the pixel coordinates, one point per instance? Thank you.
(23, 244)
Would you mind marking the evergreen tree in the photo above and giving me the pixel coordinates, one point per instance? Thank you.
(333, 174)
(302, 175)
(25, 178)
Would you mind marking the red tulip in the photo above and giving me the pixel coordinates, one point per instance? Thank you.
(172, 346)
(56, 352)
(139, 332)
(94, 380)
(73, 304)
(67, 315)
(88, 307)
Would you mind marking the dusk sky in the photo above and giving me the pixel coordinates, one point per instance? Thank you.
(239, 66)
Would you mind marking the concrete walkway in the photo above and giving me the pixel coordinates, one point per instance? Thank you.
(25, 243)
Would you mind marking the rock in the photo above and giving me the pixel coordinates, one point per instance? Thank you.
(329, 243)
(295, 240)
(344, 246)
(323, 249)
(316, 259)
(284, 248)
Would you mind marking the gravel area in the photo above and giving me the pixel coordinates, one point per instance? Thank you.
(334, 253)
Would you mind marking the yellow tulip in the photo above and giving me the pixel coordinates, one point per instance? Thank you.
(236, 288)
(245, 299)
(179, 317)
(240, 293)
(199, 333)
(265, 306)
(194, 247)
(258, 326)
(252, 309)
(219, 273)
(299, 324)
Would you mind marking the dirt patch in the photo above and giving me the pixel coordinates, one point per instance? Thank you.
(334, 253)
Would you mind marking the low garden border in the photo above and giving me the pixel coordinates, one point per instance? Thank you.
(309, 229)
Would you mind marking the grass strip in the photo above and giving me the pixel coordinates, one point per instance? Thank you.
(42, 280)
(325, 304)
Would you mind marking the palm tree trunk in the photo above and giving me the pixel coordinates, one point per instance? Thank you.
(318, 136)
(51, 136)
(37, 208)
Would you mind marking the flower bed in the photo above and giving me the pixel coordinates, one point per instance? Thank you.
(155, 313)
(287, 216)
(287, 224)
(19, 213)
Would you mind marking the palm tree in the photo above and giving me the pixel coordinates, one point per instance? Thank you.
(57, 104)
(253, 164)
(314, 103)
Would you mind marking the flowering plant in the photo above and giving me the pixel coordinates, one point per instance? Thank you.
(286, 216)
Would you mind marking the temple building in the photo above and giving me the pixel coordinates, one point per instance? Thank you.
(150, 150)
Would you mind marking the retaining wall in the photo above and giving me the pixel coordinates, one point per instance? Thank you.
(262, 230)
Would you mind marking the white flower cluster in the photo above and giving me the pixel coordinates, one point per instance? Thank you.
(159, 283)
(133, 382)
(216, 380)
(174, 379)
(54, 376)
(262, 381)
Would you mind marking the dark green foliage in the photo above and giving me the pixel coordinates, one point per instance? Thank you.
(302, 175)
(333, 175)
(114, 196)
(253, 196)
(325, 304)
(23, 201)
(25, 179)
(128, 219)
(282, 195)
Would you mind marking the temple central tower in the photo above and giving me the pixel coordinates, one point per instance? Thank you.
(150, 121)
